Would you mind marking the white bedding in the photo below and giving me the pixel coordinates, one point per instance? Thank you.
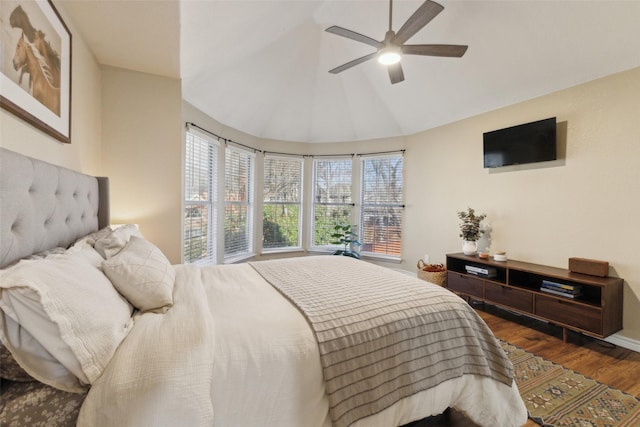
(233, 352)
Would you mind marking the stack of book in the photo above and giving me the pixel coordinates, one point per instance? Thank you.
(562, 289)
(488, 272)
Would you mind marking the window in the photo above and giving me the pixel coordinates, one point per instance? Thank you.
(201, 160)
(282, 208)
(381, 205)
(332, 203)
(238, 203)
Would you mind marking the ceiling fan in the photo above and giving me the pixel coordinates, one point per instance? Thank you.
(390, 50)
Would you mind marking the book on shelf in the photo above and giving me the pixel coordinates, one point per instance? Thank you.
(560, 293)
(554, 285)
(574, 290)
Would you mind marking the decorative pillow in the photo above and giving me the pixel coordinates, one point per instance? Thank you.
(70, 309)
(143, 275)
(92, 238)
(10, 369)
(113, 243)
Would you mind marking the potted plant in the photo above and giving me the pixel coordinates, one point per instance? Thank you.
(344, 235)
(470, 230)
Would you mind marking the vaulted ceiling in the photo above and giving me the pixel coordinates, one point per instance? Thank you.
(262, 66)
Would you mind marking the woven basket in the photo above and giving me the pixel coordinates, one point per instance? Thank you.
(436, 277)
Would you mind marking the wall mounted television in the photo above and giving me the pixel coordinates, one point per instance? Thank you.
(527, 143)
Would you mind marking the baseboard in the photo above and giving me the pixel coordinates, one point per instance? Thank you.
(624, 342)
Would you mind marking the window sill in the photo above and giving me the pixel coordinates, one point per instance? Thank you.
(364, 256)
(238, 258)
(281, 250)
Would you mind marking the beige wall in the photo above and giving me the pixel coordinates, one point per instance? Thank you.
(83, 153)
(585, 204)
(142, 154)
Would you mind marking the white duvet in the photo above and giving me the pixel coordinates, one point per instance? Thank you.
(232, 352)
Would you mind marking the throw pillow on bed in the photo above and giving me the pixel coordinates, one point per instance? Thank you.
(113, 243)
(69, 309)
(142, 273)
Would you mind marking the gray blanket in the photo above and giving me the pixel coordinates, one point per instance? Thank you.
(383, 335)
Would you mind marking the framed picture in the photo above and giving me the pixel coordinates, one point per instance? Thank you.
(35, 66)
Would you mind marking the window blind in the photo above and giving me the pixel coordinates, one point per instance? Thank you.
(332, 202)
(199, 219)
(238, 203)
(282, 203)
(382, 205)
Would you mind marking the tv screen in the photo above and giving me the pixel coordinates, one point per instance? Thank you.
(527, 143)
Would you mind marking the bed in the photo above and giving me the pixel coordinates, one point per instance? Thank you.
(99, 329)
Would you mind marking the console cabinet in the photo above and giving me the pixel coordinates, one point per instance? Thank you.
(516, 286)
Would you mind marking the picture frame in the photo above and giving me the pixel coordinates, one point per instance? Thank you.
(35, 68)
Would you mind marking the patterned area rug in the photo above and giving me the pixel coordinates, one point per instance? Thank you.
(556, 396)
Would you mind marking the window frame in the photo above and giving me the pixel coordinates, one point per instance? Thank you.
(363, 207)
(351, 204)
(249, 205)
(299, 204)
(211, 203)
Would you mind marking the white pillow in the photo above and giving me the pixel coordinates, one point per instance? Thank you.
(113, 243)
(92, 238)
(143, 275)
(70, 309)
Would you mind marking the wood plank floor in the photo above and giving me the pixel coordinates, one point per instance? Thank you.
(604, 362)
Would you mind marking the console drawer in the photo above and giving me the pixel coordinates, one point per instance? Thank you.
(510, 297)
(465, 284)
(561, 310)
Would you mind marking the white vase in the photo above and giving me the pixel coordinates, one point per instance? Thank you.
(469, 247)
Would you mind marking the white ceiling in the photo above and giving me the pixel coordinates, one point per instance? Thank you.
(262, 66)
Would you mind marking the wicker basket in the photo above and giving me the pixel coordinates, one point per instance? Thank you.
(436, 277)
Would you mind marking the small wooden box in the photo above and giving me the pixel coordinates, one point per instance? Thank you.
(591, 267)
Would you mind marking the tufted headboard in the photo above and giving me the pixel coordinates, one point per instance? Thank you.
(43, 206)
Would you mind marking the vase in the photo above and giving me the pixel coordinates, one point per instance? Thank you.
(469, 247)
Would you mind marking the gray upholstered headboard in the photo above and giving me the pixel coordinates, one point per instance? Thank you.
(43, 206)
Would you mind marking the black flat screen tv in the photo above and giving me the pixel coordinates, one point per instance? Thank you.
(527, 143)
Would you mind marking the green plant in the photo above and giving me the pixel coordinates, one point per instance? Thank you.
(470, 225)
(344, 235)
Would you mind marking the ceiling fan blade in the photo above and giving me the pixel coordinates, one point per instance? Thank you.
(354, 36)
(419, 19)
(450, 50)
(353, 63)
(395, 73)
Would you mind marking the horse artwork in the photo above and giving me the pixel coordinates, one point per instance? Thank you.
(35, 56)
(42, 79)
(50, 56)
(35, 65)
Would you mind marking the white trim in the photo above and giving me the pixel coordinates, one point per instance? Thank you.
(282, 251)
(625, 342)
(239, 258)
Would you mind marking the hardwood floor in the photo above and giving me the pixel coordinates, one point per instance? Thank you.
(604, 362)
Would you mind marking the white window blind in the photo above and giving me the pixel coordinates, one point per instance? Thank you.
(332, 202)
(200, 192)
(282, 203)
(238, 203)
(381, 205)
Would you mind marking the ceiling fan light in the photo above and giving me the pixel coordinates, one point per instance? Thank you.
(389, 56)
